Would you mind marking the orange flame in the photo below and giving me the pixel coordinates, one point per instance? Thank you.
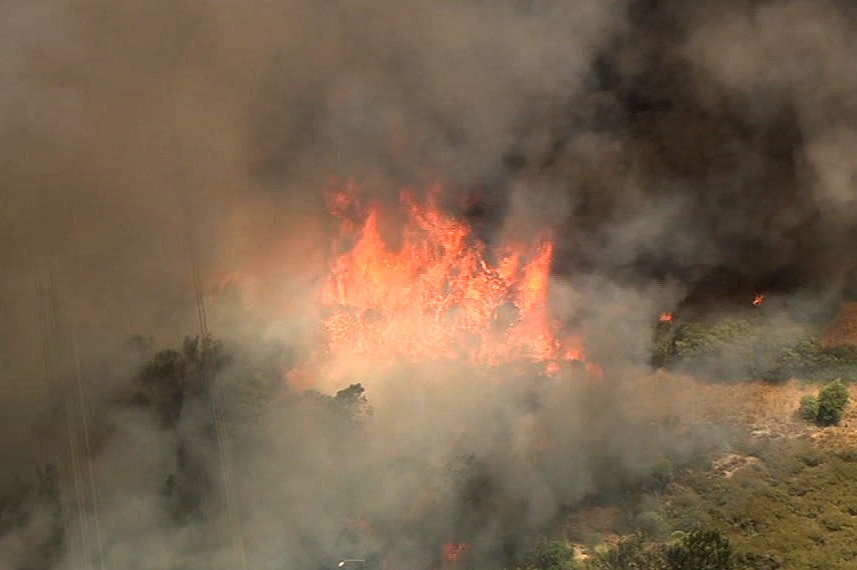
(758, 300)
(440, 294)
(666, 317)
(454, 552)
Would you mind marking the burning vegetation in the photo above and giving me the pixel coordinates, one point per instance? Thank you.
(439, 293)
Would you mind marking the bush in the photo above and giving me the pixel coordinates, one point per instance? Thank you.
(809, 407)
(811, 360)
(651, 524)
(832, 401)
(701, 550)
(723, 350)
(697, 550)
(663, 351)
(630, 553)
(735, 349)
(551, 555)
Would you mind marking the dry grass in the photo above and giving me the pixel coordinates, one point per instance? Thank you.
(842, 329)
(768, 410)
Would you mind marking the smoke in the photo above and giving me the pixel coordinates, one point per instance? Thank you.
(709, 148)
(671, 150)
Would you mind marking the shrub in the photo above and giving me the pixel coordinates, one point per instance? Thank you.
(551, 555)
(734, 349)
(849, 455)
(812, 457)
(810, 359)
(832, 401)
(663, 473)
(701, 550)
(651, 524)
(630, 553)
(663, 351)
(835, 521)
(723, 350)
(809, 407)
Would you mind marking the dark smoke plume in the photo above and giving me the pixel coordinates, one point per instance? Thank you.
(709, 148)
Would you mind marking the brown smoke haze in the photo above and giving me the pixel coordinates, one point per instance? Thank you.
(680, 153)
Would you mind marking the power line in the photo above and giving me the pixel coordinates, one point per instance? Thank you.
(88, 449)
(48, 360)
(50, 320)
(70, 420)
(227, 473)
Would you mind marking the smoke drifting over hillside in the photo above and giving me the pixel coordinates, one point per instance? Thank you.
(674, 151)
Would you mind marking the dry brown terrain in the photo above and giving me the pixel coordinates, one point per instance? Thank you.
(842, 329)
(769, 410)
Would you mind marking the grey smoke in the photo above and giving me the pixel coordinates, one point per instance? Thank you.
(734, 118)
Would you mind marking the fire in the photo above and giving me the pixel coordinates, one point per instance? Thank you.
(454, 552)
(758, 300)
(666, 317)
(440, 293)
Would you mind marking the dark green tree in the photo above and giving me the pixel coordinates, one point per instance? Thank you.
(171, 376)
(832, 402)
(809, 408)
(701, 550)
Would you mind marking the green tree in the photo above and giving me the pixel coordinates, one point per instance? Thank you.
(832, 402)
(701, 550)
(165, 381)
(809, 407)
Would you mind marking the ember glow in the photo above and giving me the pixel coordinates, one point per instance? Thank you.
(666, 318)
(440, 293)
(758, 300)
(454, 552)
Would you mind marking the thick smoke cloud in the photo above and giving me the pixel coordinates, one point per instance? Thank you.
(672, 149)
(709, 150)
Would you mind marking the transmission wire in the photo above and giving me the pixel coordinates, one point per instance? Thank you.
(230, 493)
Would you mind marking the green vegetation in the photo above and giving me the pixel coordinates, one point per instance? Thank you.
(738, 349)
(631, 553)
(551, 555)
(828, 407)
(700, 549)
(809, 408)
(792, 507)
(832, 402)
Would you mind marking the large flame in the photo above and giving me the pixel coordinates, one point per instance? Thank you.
(440, 293)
